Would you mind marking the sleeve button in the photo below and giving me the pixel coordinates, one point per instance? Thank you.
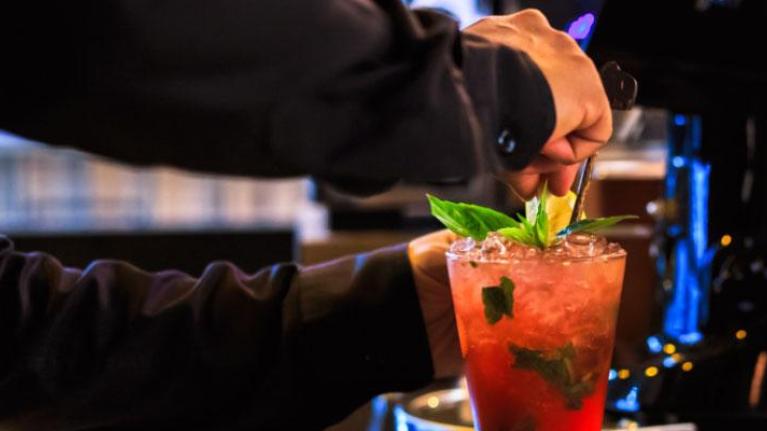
(506, 142)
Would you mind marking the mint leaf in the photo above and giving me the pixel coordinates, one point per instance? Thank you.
(556, 368)
(469, 220)
(498, 301)
(593, 225)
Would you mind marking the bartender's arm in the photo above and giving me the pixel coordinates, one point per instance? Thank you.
(352, 91)
(288, 347)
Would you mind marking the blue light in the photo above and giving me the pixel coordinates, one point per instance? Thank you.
(379, 411)
(691, 338)
(699, 211)
(669, 362)
(630, 403)
(676, 322)
(400, 419)
(612, 375)
(654, 344)
(581, 27)
(687, 309)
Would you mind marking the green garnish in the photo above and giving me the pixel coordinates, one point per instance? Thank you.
(468, 220)
(498, 301)
(593, 225)
(556, 368)
(545, 220)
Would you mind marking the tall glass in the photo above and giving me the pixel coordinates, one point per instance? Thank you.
(537, 332)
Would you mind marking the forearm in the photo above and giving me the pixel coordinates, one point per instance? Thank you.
(344, 90)
(116, 346)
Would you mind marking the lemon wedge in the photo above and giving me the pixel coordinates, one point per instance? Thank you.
(558, 208)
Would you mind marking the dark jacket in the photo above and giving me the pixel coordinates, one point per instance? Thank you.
(352, 91)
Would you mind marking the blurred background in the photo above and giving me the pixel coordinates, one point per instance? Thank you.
(689, 160)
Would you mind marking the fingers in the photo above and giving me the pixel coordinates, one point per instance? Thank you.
(559, 150)
(428, 252)
(571, 150)
(587, 140)
(524, 185)
(561, 181)
(559, 177)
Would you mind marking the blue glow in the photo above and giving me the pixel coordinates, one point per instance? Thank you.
(581, 28)
(379, 408)
(687, 308)
(612, 375)
(676, 321)
(669, 362)
(654, 344)
(699, 208)
(691, 338)
(400, 419)
(631, 402)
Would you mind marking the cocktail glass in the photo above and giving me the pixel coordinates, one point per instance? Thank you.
(537, 330)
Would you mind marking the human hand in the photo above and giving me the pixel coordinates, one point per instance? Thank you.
(583, 116)
(429, 264)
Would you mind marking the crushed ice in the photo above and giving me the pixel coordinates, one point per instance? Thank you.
(496, 246)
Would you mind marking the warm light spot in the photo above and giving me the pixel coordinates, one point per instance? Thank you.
(687, 366)
(741, 334)
(624, 374)
(726, 240)
(669, 349)
(632, 426)
(676, 357)
(433, 402)
(651, 371)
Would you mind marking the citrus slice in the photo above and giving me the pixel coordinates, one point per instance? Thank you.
(558, 208)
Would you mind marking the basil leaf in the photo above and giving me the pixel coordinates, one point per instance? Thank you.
(542, 220)
(556, 368)
(593, 225)
(518, 234)
(469, 220)
(498, 301)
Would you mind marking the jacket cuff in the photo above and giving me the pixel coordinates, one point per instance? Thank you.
(513, 100)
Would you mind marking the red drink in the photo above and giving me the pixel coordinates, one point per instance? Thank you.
(537, 331)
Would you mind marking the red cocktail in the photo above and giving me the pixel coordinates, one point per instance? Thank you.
(537, 330)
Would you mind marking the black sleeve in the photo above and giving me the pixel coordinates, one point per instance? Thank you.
(115, 347)
(340, 89)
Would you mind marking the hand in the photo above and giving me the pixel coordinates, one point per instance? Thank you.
(427, 259)
(583, 116)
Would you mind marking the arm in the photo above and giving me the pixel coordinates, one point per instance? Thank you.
(115, 346)
(340, 89)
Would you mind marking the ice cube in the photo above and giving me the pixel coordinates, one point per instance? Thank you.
(495, 245)
(463, 245)
(580, 245)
